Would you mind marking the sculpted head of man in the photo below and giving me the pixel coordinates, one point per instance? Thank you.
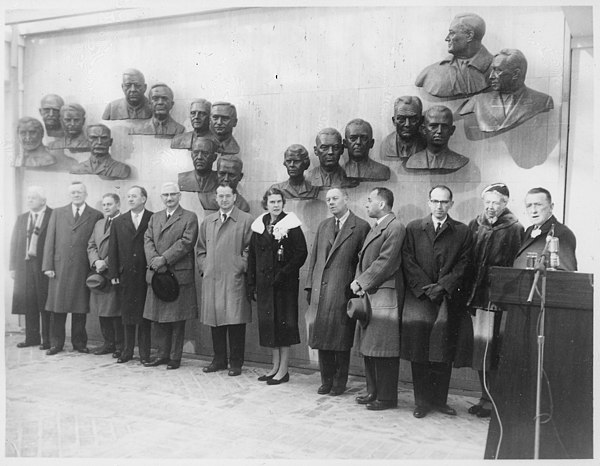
(161, 100)
(50, 111)
(204, 154)
(100, 139)
(359, 139)
(539, 205)
(509, 68)
(35, 198)
(229, 169)
(200, 114)
(72, 118)
(438, 127)
(133, 86)
(465, 34)
(408, 116)
(296, 160)
(223, 118)
(329, 148)
(30, 133)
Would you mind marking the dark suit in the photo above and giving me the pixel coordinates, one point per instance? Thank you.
(127, 262)
(331, 270)
(429, 329)
(31, 285)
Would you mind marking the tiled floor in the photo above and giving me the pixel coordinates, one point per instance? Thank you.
(76, 405)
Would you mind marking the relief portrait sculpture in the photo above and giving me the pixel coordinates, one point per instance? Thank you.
(161, 125)
(202, 179)
(135, 105)
(72, 120)
(296, 161)
(511, 102)
(229, 170)
(329, 148)
(465, 70)
(50, 112)
(200, 120)
(437, 128)
(100, 162)
(359, 141)
(407, 140)
(223, 118)
(30, 133)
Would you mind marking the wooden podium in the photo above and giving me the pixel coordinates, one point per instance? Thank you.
(567, 390)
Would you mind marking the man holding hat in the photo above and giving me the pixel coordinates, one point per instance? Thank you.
(103, 299)
(169, 247)
(379, 278)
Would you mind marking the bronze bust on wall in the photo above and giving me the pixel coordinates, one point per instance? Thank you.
(50, 112)
(72, 120)
(200, 120)
(202, 179)
(329, 148)
(296, 161)
(30, 133)
(161, 125)
(134, 106)
(223, 118)
(407, 139)
(359, 142)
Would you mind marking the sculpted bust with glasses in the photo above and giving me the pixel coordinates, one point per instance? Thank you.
(359, 141)
(134, 106)
(296, 161)
(329, 148)
(407, 140)
(200, 120)
(511, 102)
(437, 128)
(203, 179)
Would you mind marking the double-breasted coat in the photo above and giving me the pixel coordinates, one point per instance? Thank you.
(222, 257)
(173, 239)
(331, 269)
(65, 252)
(103, 304)
(379, 274)
(127, 262)
(276, 280)
(429, 330)
(31, 285)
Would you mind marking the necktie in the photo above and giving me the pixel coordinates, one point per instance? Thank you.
(438, 225)
(336, 229)
(223, 218)
(77, 214)
(32, 222)
(107, 224)
(169, 216)
(136, 220)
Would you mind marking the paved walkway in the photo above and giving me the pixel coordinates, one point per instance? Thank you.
(76, 405)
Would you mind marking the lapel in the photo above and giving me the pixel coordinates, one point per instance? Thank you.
(85, 216)
(143, 223)
(174, 218)
(528, 240)
(45, 220)
(377, 230)
(103, 235)
(344, 233)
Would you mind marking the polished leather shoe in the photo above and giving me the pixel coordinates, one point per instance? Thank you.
(446, 410)
(365, 399)
(324, 389)
(484, 412)
(235, 371)
(284, 379)
(337, 391)
(264, 378)
(157, 362)
(214, 367)
(45, 346)
(83, 350)
(474, 409)
(420, 412)
(380, 405)
(24, 344)
(117, 354)
(173, 364)
(143, 362)
(103, 350)
(124, 358)
(52, 351)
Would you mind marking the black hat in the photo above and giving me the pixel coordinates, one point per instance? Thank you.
(165, 286)
(97, 283)
(360, 309)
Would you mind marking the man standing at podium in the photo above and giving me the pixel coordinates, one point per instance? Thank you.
(539, 205)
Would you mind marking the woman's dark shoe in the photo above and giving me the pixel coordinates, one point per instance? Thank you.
(284, 379)
(484, 412)
(474, 409)
(265, 378)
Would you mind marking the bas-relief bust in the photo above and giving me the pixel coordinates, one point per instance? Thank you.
(200, 120)
(134, 106)
(223, 118)
(50, 112)
(359, 141)
(161, 125)
(229, 170)
(407, 139)
(296, 161)
(329, 148)
(465, 70)
(437, 128)
(202, 179)
(72, 120)
(510, 103)
(100, 162)
(30, 133)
